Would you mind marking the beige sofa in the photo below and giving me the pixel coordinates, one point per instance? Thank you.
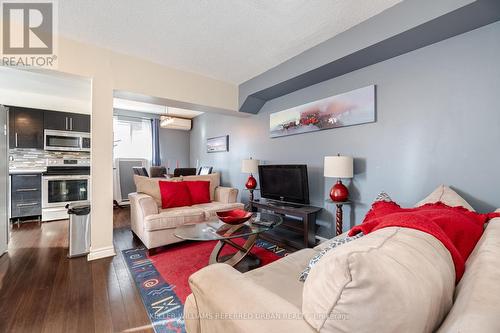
(347, 291)
(155, 226)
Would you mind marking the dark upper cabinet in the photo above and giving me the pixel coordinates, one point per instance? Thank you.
(80, 122)
(53, 120)
(63, 121)
(25, 128)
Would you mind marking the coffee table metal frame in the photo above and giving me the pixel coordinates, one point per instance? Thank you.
(216, 230)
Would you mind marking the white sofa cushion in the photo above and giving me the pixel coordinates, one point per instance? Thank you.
(280, 276)
(477, 295)
(173, 217)
(447, 196)
(228, 301)
(392, 280)
(226, 194)
(332, 244)
(148, 186)
(213, 207)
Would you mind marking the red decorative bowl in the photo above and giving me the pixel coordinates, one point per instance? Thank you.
(235, 216)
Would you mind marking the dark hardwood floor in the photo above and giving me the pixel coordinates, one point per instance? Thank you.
(43, 291)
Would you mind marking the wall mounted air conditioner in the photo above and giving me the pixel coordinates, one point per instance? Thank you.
(175, 123)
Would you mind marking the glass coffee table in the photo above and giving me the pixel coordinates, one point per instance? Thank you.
(224, 233)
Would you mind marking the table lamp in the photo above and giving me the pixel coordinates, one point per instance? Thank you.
(250, 166)
(339, 167)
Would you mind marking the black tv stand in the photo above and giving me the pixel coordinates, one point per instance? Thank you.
(298, 229)
(283, 204)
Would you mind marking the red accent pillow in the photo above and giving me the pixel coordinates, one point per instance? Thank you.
(199, 191)
(174, 194)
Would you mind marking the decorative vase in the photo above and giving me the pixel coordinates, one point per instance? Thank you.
(251, 182)
(339, 192)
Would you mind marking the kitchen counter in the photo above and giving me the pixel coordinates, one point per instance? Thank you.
(27, 171)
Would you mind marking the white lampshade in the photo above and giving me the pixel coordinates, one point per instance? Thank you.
(338, 166)
(250, 166)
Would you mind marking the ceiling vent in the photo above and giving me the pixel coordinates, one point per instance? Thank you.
(175, 123)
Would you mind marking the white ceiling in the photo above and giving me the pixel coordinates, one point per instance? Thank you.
(43, 89)
(230, 40)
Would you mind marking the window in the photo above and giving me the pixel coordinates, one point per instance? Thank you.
(132, 138)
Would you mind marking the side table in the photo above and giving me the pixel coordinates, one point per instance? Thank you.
(338, 215)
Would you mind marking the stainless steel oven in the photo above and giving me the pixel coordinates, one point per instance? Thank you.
(68, 182)
(62, 190)
(66, 141)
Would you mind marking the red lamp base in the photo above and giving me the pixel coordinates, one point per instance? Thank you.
(251, 182)
(339, 192)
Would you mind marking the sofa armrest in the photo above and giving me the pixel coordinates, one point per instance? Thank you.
(229, 301)
(226, 194)
(142, 205)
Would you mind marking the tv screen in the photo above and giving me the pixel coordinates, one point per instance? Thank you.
(286, 183)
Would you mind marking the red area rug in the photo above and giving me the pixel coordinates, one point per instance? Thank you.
(176, 263)
(162, 279)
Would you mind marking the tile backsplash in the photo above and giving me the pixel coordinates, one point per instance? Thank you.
(36, 158)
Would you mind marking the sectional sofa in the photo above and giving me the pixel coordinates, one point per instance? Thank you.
(392, 280)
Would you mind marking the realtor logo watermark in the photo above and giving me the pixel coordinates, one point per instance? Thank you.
(28, 33)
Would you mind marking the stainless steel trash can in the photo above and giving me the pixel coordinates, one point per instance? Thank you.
(79, 229)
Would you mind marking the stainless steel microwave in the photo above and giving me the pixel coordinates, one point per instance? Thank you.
(66, 141)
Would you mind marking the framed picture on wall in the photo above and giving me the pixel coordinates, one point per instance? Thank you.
(350, 108)
(218, 144)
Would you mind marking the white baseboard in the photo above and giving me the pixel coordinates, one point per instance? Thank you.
(103, 252)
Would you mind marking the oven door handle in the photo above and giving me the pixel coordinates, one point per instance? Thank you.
(27, 189)
(77, 177)
(28, 204)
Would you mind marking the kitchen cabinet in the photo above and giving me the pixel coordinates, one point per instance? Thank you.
(80, 122)
(64, 121)
(26, 195)
(53, 120)
(25, 128)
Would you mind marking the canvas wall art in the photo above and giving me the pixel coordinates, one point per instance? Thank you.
(218, 144)
(351, 108)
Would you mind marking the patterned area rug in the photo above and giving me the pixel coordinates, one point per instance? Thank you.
(162, 279)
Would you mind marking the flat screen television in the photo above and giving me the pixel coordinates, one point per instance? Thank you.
(285, 183)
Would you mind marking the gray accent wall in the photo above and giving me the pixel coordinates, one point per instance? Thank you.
(174, 146)
(438, 121)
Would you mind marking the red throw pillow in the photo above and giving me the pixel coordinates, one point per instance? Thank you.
(199, 191)
(174, 194)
